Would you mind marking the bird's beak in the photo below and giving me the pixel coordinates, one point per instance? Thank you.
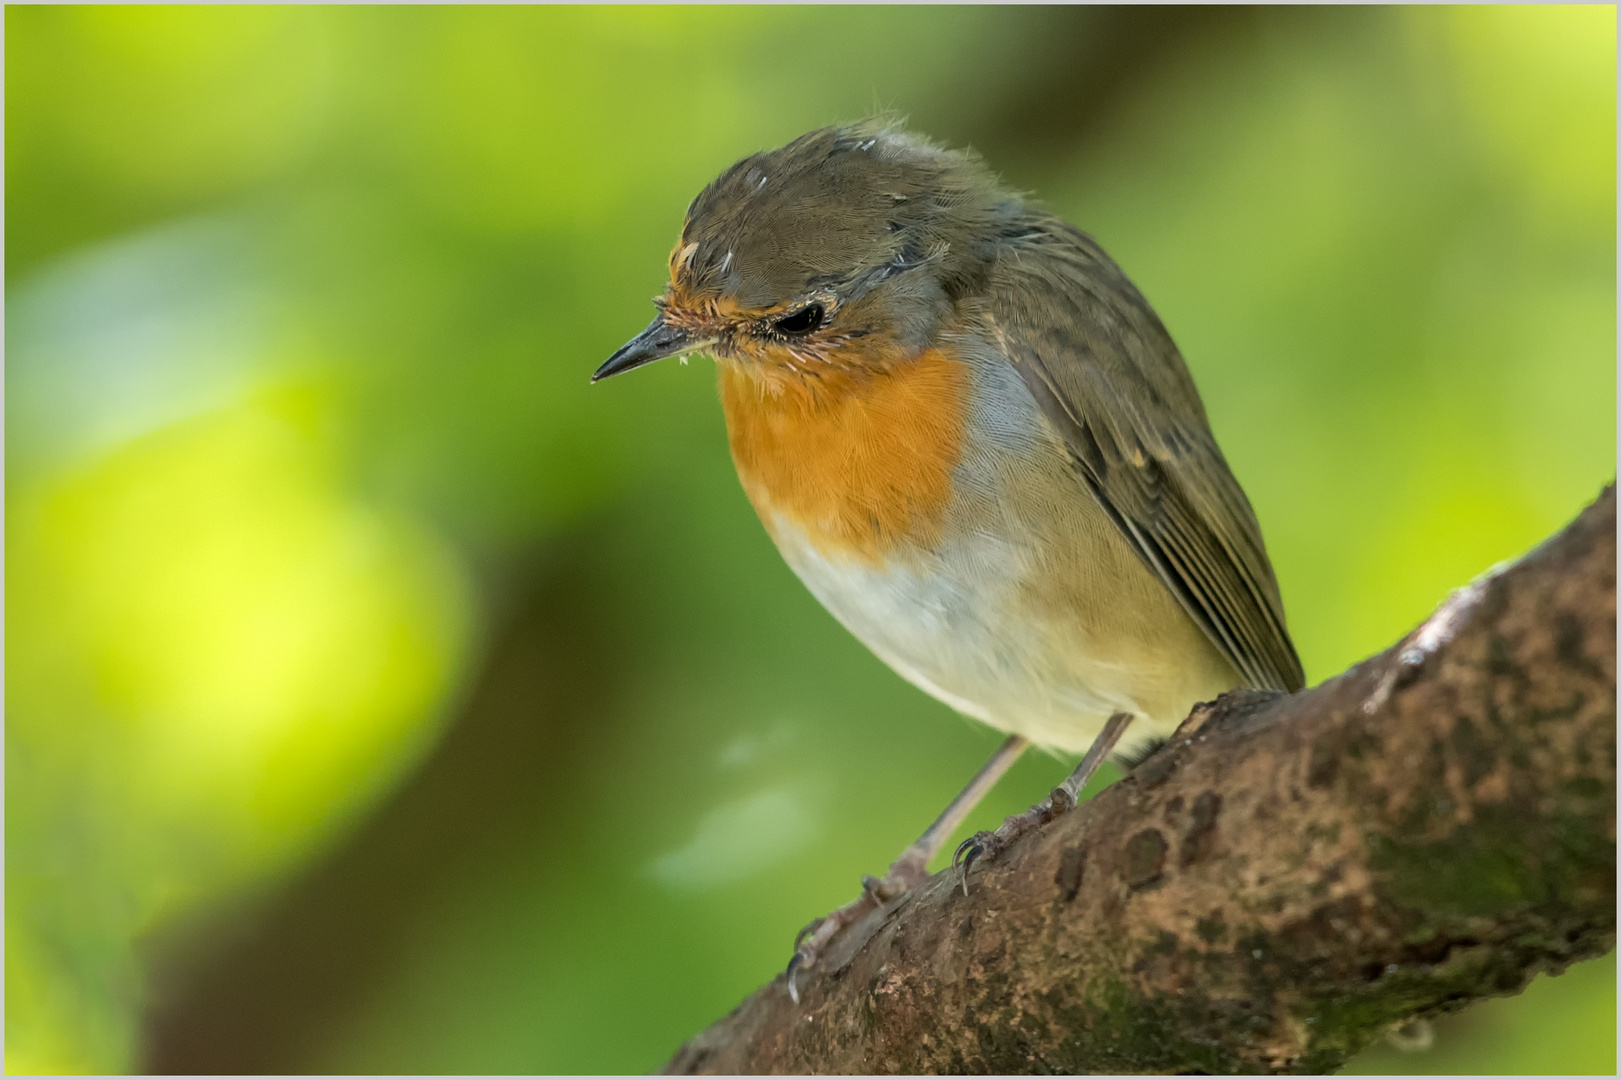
(658, 341)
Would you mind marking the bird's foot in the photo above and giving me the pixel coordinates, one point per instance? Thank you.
(988, 845)
(905, 874)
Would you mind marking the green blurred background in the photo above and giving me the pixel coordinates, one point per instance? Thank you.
(383, 698)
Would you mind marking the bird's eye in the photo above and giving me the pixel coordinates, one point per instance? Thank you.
(803, 321)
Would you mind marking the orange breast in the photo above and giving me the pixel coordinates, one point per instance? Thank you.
(860, 460)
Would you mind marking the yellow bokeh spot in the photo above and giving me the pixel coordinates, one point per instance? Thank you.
(263, 638)
(213, 636)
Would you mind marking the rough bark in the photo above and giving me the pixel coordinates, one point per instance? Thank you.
(1289, 878)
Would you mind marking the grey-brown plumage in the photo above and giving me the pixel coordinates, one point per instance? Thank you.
(848, 213)
(1106, 373)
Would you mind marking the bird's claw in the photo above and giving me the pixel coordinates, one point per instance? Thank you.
(987, 846)
(810, 942)
(792, 973)
(876, 892)
(979, 846)
(806, 931)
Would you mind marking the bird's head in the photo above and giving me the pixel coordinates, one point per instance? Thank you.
(850, 246)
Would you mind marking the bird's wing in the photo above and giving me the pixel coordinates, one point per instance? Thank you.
(1106, 373)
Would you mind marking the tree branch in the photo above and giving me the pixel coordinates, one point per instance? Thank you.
(1289, 878)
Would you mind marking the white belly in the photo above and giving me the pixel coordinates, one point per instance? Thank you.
(951, 626)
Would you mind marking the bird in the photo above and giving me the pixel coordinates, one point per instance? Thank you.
(974, 441)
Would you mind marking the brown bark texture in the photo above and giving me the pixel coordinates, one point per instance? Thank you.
(1289, 878)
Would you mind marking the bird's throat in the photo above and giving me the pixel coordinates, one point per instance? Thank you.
(860, 460)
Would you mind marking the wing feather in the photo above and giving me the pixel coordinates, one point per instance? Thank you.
(1105, 372)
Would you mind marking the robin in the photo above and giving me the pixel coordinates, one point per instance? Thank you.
(976, 444)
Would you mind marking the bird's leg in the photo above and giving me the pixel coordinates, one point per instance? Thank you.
(906, 872)
(987, 845)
